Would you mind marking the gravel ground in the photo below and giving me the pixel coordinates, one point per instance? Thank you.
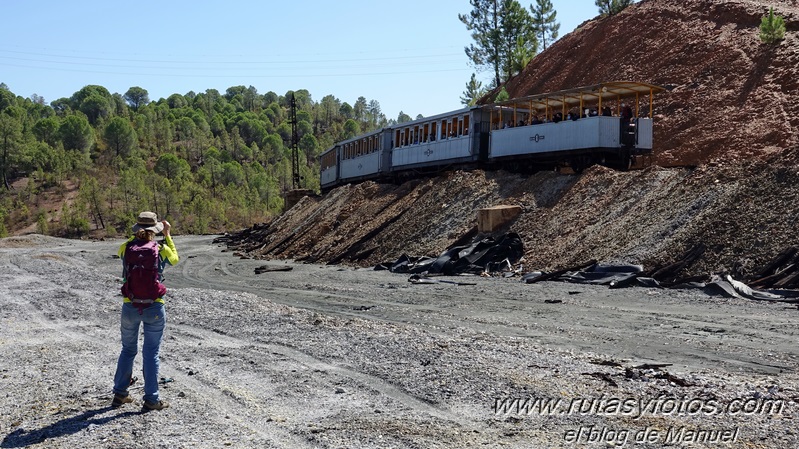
(330, 356)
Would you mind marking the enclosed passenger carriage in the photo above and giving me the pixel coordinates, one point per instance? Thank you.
(435, 142)
(608, 123)
(328, 167)
(364, 157)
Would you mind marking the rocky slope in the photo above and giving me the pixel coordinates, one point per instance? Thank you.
(725, 170)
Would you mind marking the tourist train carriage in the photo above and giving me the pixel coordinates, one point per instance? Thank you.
(358, 159)
(441, 140)
(607, 123)
(599, 124)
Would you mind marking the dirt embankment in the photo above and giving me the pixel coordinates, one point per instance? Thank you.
(650, 216)
(730, 96)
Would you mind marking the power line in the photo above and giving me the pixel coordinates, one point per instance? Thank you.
(172, 61)
(289, 75)
(225, 66)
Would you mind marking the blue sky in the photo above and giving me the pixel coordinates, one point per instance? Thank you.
(409, 58)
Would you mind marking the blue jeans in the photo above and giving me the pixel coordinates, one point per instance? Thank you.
(154, 319)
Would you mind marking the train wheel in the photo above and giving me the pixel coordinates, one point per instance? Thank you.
(578, 164)
(626, 160)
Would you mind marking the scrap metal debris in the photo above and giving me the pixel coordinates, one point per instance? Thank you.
(782, 272)
(268, 269)
(422, 279)
(487, 255)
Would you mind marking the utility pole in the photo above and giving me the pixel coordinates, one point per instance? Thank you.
(295, 145)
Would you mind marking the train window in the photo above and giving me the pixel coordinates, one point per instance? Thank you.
(397, 142)
(443, 129)
(465, 125)
(328, 159)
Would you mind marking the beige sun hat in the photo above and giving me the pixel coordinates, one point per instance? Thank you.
(149, 221)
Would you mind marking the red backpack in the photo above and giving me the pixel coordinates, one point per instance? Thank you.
(142, 278)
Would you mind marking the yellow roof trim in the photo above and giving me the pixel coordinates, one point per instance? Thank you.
(607, 91)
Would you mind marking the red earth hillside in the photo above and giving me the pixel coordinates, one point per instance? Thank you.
(730, 96)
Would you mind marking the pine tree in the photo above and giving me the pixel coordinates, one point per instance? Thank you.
(772, 28)
(518, 38)
(483, 22)
(522, 55)
(611, 7)
(495, 26)
(474, 90)
(544, 21)
(502, 95)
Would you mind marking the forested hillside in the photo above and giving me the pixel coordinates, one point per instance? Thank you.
(208, 161)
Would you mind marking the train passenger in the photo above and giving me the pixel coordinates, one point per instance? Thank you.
(606, 111)
(626, 112)
(535, 120)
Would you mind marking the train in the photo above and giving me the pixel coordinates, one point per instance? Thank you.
(574, 128)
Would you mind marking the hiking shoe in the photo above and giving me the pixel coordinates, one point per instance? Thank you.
(120, 400)
(160, 405)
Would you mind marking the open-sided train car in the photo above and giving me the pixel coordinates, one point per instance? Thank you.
(599, 124)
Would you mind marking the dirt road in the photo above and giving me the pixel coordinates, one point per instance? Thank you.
(329, 356)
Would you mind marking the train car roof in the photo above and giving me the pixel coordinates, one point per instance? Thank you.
(435, 117)
(612, 90)
(360, 136)
(328, 150)
(404, 124)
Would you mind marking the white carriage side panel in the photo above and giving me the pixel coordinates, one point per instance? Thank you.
(452, 148)
(546, 137)
(645, 133)
(609, 128)
(362, 166)
(328, 176)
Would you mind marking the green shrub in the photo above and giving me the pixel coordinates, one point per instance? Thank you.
(502, 95)
(772, 28)
(42, 226)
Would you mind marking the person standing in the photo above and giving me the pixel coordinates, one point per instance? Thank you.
(143, 262)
